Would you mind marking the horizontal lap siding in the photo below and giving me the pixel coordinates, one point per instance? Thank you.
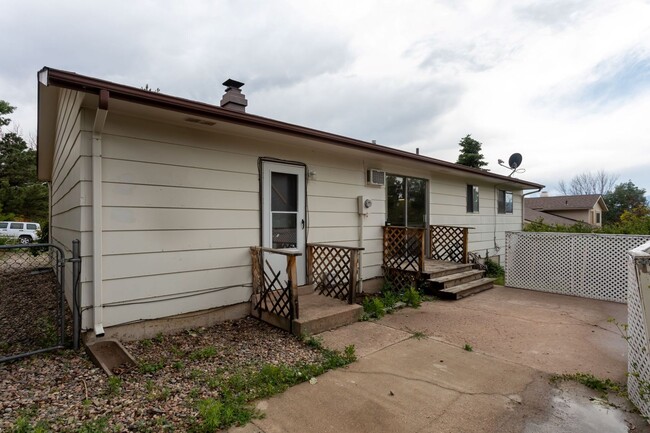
(448, 207)
(67, 188)
(180, 211)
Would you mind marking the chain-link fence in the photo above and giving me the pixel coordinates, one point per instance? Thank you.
(34, 316)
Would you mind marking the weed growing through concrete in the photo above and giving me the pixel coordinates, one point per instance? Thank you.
(412, 298)
(602, 386)
(418, 335)
(373, 308)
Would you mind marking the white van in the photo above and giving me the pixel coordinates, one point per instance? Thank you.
(25, 232)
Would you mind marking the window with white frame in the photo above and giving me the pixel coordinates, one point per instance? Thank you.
(504, 201)
(472, 198)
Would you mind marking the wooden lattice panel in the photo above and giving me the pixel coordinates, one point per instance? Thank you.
(334, 271)
(404, 248)
(270, 293)
(449, 243)
(400, 279)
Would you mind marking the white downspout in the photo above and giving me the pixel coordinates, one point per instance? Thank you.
(98, 129)
(361, 217)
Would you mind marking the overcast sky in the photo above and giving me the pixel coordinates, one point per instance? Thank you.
(566, 83)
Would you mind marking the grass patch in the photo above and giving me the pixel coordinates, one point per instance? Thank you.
(222, 413)
(237, 389)
(203, 353)
(151, 367)
(496, 271)
(114, 385)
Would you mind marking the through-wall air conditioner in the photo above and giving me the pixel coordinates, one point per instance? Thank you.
(376, 177)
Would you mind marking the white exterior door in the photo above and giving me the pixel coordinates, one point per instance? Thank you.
(283, 214)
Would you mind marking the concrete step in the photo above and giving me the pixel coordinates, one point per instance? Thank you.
(466, 289)
(319, 313)
(307, 289)
(455, 279)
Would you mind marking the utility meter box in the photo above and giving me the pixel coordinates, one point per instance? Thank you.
(363, 204)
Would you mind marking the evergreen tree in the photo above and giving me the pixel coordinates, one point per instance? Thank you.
(470, 153)
(22, 196)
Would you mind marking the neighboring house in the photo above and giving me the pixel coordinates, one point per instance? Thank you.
(566, 209)
(167, 195)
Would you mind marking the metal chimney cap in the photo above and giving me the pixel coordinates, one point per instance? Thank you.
(230, 83)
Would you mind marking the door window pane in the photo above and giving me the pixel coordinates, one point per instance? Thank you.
(284, 192)
(16, 226)
(284, 230)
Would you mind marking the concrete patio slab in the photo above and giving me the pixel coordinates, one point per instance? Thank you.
(404, 384)
(549, 332)
(367, 337)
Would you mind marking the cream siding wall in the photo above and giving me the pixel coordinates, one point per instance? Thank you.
(68, 189)
(181, 209)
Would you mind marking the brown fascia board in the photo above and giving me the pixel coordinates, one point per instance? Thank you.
(74, 81)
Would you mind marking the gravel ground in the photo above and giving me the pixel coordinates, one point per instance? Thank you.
(66, 391)
(29, 311)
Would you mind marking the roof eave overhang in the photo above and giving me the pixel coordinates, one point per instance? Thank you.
(46, 126)
(82, 83)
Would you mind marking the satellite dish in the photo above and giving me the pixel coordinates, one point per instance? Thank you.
(515, 160)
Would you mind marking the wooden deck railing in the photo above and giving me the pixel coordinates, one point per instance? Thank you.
(273, 300)
(403, 255)
(404, 251)
(334, 270)
(449, 243)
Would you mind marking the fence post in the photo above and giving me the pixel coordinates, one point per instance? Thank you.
(465, 241)
(76, 294)
(292, 274)
(354, 264)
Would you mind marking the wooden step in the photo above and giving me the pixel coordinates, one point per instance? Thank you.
(466, 289)
(437, 272)
(451, 280)
(319, 313)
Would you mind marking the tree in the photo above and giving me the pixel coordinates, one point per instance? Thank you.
(22, 196)
(470, 153)
(626, 197)
(5, 109)
(599, 182)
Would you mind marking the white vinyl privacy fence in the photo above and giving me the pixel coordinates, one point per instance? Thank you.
(638, 312)
(580, 264)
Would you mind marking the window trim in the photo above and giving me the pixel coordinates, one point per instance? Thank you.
(473, 200)
(502, 202)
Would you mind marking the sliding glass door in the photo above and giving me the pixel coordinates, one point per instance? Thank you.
(406, 201)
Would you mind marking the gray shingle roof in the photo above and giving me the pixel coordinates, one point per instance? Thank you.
(563, 202)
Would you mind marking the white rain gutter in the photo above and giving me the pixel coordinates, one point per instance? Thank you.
(98, 129)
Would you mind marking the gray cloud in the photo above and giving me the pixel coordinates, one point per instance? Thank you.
(554, 13)
(391, 112)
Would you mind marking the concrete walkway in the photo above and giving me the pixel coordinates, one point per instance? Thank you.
(430, 384)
